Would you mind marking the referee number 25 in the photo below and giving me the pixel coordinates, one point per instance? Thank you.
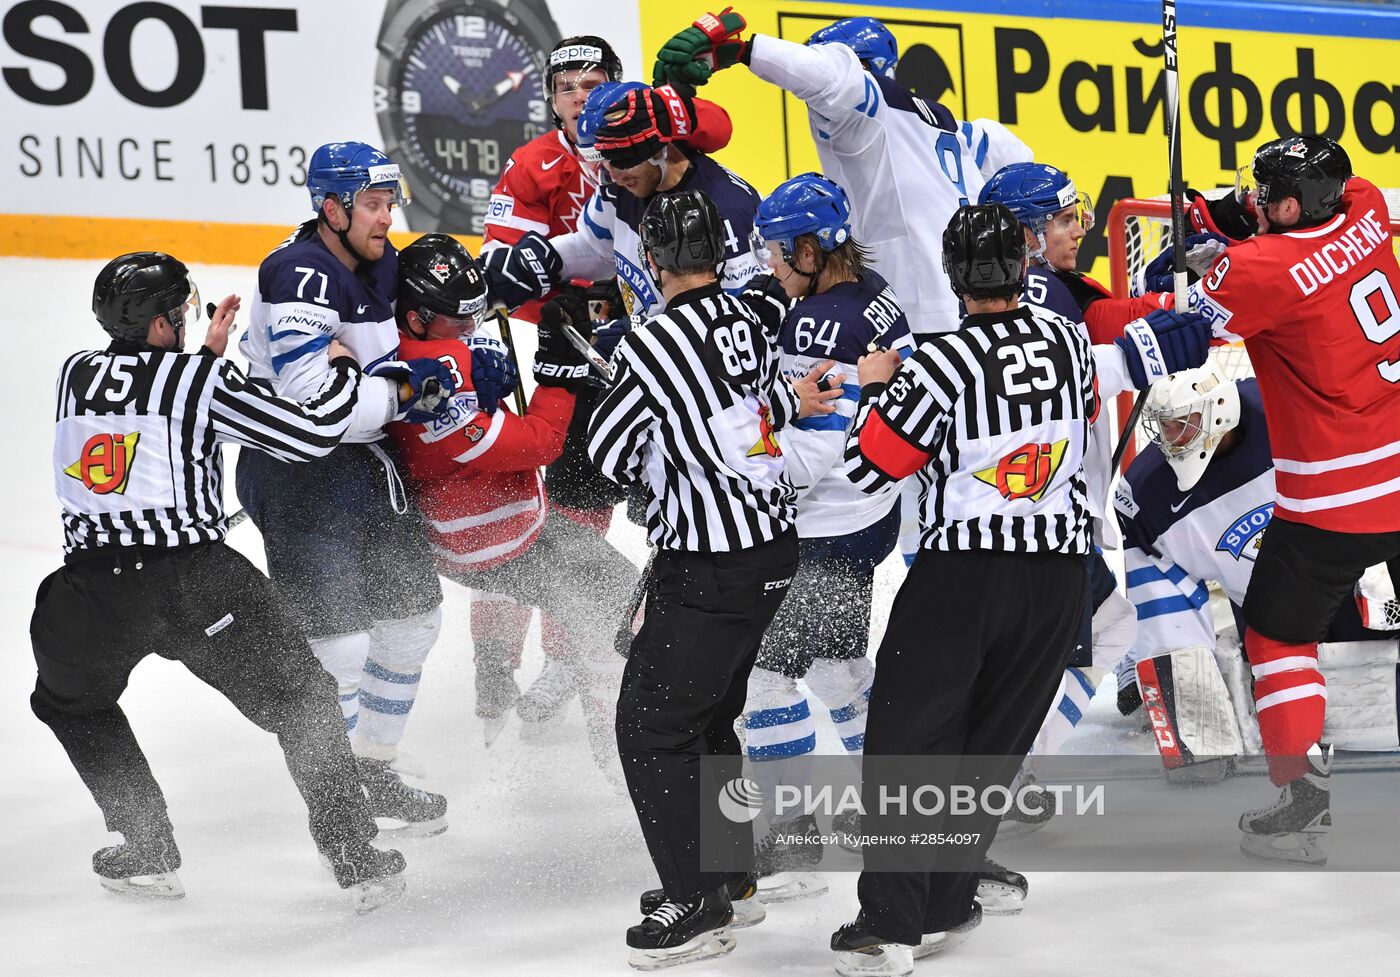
(1027, 368)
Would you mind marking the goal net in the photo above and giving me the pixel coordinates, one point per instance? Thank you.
(1138, 230)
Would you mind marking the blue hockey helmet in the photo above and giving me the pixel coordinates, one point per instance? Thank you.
(346, 168)
(805, 204)
(867, 37)
(590, 118)
(1036, 192)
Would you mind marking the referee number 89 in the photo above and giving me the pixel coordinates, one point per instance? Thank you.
(733, 341)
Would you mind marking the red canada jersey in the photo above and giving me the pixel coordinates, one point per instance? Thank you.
(476, 475)
(1318, 311)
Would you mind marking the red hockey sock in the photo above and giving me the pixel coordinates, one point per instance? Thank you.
(501, 626)
(1290, 699)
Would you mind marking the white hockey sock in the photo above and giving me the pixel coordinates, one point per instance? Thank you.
(389, 681)
(1076, 689)
(844, 687)
(777, 719)
(344, 655)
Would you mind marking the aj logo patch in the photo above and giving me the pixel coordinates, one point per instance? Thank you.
(105, 462)
(1026, 472)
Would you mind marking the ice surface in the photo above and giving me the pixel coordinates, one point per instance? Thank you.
(540, 871)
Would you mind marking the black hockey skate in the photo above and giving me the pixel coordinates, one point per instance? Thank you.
(496, 694)
(846, 827)
(1290, 830)
(1032, 810)
(743, 897)
(678, 932)
(142, 868)
(939, 942)
(373, 876)
(784, 860)
(860, 953)
(1001, 891)
(421, 813)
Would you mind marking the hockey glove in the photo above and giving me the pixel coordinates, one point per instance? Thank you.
(679, 108)
(689, 58)
(1202, 251)
(425, 388)
(1163, 342)
(764, 296)
(558, 363)
(1221, 215)
(526, 270)
(609, 335)
(494, 376)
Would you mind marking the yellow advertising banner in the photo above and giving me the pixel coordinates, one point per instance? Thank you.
(1086, 95)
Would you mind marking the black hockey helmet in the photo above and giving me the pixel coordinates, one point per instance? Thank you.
(583, 52)
(682, 232)
(984, 252)
(1314, 169)
(437, 276)
(135, 288)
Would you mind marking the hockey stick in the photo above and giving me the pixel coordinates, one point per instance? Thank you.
(517, 396)
(622, 641)
(1177, 190)
(594, 358)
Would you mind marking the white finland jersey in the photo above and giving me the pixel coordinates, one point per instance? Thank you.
(906, 164)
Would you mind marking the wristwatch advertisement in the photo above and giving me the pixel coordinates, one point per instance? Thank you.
(457, 90)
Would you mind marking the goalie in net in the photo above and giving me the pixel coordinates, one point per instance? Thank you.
(1195, 511)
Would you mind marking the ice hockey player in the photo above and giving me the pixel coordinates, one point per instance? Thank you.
(993, 420)
(476, 476)
(544, 188)
(1320, 275)
(138, 468)
(697, 399)
(642, 159)
(1055, 216)
(832, 307)
(1197, 511)
(346, 548)
(907, 163)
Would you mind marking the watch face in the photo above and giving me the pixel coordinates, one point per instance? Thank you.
(464, 95)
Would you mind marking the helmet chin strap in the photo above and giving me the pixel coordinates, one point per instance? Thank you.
(344, 235)
(820, 266)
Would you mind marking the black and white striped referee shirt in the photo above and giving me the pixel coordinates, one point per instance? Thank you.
(994, 419)
(136, 456)
(697, 398)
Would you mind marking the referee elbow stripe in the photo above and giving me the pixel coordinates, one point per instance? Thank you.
(885, 449)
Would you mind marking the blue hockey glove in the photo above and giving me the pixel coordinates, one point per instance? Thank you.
(493, 375)
(1202, 251)
(1163, 342)
(526, 270)
(431, 388)
(607, 336)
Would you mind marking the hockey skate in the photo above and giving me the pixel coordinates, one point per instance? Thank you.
(939, 942)
(141, 868)
(496, 693)
(421, 813)
(546, 697)
(784, 859)
(846, 827)
(1001, 891)
(372, 876)
(860, 953)
(1031, 812)
(1291, 829)
(678, 932)
(743, 898)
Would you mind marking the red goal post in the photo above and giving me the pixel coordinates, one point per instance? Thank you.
(1137, 232)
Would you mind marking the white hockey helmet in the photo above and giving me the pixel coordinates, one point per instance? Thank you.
(1187, 414)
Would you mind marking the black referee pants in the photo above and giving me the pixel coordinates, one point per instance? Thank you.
(208, 607)
(684, 685)
(974, 651)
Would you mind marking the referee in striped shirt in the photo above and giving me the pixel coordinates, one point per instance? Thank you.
(993, 420)
(697, 397)
(139, 474)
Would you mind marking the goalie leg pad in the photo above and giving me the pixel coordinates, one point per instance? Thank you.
(1362, 708)
(1290, 699)
(344, 656)
(1193, 720)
